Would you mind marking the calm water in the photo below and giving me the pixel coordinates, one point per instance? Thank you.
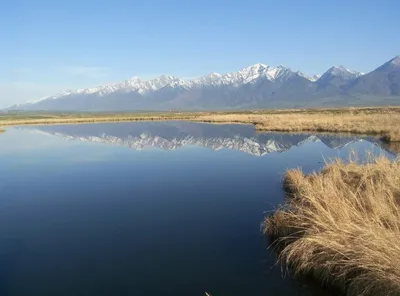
(148, 208)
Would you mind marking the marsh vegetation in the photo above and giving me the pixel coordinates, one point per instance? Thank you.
(342, 226)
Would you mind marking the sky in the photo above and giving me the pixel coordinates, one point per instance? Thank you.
(49, 46)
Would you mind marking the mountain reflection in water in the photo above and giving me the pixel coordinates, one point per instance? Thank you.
(170, 135)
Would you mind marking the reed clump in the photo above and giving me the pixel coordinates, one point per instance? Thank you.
(342, 226)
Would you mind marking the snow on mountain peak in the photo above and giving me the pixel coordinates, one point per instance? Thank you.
(274, 73)
(355, 73)
(258, 85)
(205, 80)
(311, 78)
(395, 61)
(256, 67)
(260, 70)
(252, 72)
(134, 78)
(135, 84)
(214, 75)
(340, 71)
(337, 69)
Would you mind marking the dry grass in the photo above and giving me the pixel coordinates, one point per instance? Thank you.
(386, 125)
(342, 226)
(384, 122)
(88, 118)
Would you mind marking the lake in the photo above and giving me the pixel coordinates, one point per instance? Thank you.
(149, 208)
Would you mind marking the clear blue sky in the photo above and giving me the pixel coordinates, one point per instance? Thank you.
(48, 46)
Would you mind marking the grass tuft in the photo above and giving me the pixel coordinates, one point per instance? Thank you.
(342, 226)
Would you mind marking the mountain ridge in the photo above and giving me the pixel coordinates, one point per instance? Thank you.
(257, 86)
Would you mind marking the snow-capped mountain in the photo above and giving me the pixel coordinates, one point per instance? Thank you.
(253, 73)
(172, 135)
(135, 84)
(340, 71)
(256, 86)
(393, 63)
(335, 78)
(383, 81)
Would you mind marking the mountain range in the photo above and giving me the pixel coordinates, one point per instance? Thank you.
(171, 135)
(257, 86)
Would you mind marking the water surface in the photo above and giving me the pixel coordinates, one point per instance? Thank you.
(148, 208)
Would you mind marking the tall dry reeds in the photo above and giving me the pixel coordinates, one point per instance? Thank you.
(342, 226)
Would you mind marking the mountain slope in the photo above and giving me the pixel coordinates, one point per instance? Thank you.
(331, 83)
(383, 81)
(257, 86)
(337, 76)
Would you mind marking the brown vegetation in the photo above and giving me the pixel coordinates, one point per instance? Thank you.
(384, 122)
(75, 118)
(342, 226)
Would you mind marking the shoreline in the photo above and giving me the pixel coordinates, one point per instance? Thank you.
(383, 122)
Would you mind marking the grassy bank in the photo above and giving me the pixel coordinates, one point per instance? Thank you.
(342, 226)
(31, 118)
(384, 122)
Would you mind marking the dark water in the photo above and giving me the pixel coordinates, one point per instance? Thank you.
(158, 208)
